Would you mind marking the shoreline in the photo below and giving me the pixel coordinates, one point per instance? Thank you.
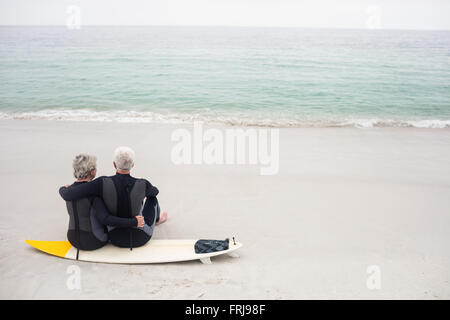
(133, 117)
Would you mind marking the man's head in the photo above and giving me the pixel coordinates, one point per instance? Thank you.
(84, 167)
(123, 159)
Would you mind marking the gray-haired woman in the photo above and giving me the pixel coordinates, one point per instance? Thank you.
(89, 216)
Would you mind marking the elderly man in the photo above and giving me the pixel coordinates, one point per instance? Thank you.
(88, 217)
(123, 196)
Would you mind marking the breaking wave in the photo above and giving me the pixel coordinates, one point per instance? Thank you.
(237, 119)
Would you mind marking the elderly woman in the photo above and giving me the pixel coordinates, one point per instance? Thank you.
(89, 216)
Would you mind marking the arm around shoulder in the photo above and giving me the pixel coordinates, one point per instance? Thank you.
(63, 193)
(88, 189)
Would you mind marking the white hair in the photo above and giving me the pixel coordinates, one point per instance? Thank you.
(124, 158)
(83, 164)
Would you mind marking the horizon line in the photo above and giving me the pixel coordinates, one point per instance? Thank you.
(221, 26)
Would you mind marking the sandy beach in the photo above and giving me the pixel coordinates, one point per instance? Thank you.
(344, 199)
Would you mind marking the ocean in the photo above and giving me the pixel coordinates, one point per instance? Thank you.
(277, 77)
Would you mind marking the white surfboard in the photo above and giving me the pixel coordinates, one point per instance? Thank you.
(155, 251)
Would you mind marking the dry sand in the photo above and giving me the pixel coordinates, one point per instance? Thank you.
(344, 199)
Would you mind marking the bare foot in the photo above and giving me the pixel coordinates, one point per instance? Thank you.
(162, 219)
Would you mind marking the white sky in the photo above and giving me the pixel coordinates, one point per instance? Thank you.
(394, 14)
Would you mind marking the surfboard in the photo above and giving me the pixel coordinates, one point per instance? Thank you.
(155, 251)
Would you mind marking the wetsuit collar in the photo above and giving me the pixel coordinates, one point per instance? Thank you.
(79, 182)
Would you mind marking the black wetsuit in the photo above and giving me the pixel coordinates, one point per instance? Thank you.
(99, 218)
(123, 183)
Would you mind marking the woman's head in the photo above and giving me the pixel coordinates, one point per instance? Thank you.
(84, 167)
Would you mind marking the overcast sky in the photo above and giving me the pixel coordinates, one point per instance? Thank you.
(389, 14)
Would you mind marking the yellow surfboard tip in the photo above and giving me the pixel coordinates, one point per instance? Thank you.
(56, 248)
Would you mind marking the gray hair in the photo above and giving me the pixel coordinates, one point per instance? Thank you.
(124, 158)
(83, 164)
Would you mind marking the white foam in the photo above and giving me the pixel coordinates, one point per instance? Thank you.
(435, 124)
(370, 123)
(209, 117)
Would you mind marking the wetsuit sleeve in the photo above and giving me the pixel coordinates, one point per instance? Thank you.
(150, 190)
(149, 207)
(89, 189)
(106, 218)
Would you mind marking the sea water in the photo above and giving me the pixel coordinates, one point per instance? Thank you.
(282, 77)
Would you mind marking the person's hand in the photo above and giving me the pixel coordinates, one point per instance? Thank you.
(140, 221)
(67, 185)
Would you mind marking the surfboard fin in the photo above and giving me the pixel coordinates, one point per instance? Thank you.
(206, 260)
